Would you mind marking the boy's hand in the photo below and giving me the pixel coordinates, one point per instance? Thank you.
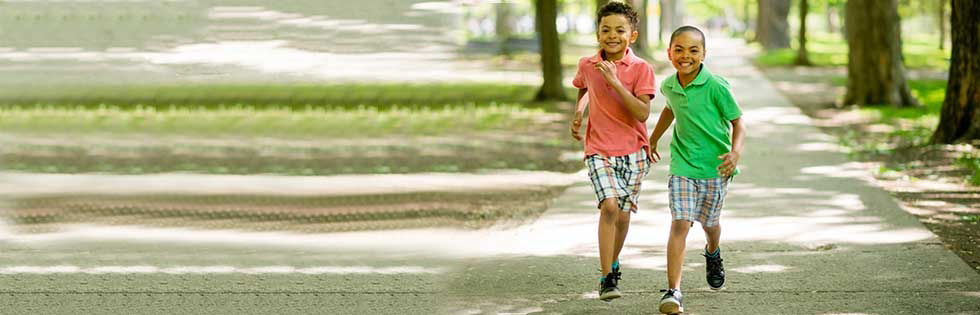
(576, 125)
(608, 70)
(727, 168)
(652, 153)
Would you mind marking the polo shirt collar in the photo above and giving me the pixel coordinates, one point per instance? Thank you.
(628, 59)
(701, 79)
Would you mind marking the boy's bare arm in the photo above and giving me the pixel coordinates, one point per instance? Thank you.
(579, 112)
(638, 106)
(666, 118)
(727, 168)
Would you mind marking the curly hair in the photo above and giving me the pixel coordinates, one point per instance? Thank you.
(615, 7)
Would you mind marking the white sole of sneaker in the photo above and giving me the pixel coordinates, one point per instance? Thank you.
(609, 296)
(670, 308)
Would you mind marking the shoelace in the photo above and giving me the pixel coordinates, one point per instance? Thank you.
(616, 275)
(714, 262)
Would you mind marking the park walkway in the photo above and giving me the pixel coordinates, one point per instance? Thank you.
(805, 231)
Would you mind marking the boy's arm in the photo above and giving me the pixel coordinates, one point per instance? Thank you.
(638, 106)
(579, 112)
(727, 168)
(666, 118)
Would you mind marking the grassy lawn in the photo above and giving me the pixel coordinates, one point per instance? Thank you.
(267, 121)
(275, 96)
(290, 130)
(831, 50)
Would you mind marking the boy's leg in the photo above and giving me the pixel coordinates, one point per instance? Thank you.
(714, 268)
(622, 228)
(675, 251)
(713, 235)
(608, 217)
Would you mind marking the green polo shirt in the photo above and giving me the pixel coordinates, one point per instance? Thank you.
(703, 111)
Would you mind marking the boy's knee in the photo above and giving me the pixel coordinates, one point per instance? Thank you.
(711, 229)
(680, 227)
(609, 208)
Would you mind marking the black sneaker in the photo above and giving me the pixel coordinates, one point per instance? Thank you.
(671, 302)
(607, 289)
(715, 271)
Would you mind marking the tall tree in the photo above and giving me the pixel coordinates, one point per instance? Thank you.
(959, 120)
(875, 73)
(600, 3)
(942, 24)
(802, 58)
(502, 26)
(642, 46)
(546, 13)
(748, 16)
(772, 27)
(671, 17)
(832, 11)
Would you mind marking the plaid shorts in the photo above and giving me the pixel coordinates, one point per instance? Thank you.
(699, 200)
(618, 177)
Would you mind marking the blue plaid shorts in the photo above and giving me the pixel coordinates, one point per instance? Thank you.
(618, 177)
(698, 200)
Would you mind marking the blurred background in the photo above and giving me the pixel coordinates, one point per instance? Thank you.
(131, 108)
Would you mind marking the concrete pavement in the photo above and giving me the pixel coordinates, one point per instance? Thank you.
(805, 231)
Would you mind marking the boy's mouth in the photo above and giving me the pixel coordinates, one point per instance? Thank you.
(685, 64)
(612, 44)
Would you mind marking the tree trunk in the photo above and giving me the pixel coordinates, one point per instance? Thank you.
(802, 59)
(772, 28)
(671, 16)
(748, 17)
(546, 13)
(642, 45)
(959, 120)
(599, 4)
(875, 73)
(502, 27)
(831, 17)
(662, 27)
(942, 24)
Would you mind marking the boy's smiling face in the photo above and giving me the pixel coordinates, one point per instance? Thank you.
(615, 34)
(686, 52)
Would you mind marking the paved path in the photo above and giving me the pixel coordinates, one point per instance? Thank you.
(804, 232)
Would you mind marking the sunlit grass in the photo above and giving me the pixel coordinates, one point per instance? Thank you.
(831, 50)
(972, 163)
(277, 96)
(281, 121)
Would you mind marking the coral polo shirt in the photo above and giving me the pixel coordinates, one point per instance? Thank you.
(612, 130)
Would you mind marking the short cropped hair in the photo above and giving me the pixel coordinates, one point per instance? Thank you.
(687, 28)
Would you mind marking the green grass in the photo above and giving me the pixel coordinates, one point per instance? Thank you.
(972, 163)
(915, 124)
(831, 50)
(364, 121)
(276, 96)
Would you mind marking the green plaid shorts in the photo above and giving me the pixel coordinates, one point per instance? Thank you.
(618, 177)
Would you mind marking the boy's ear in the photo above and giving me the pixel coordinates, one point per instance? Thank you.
(634, 36)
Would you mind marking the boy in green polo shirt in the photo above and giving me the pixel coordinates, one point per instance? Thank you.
(704, 152)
